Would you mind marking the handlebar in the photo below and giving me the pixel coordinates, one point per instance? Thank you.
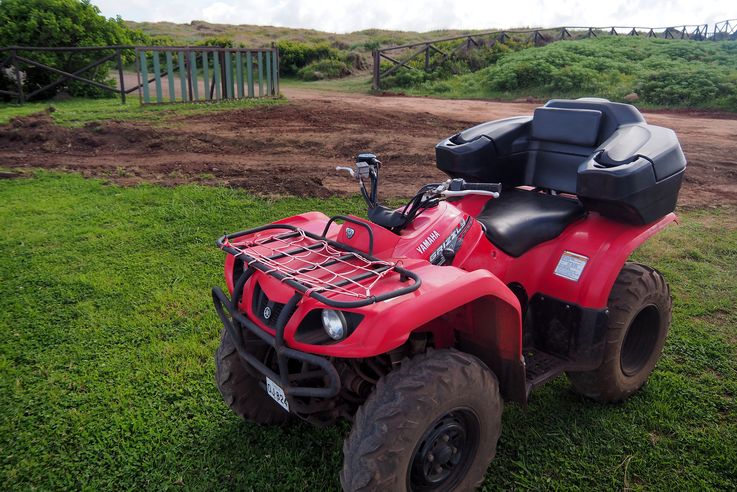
(459, 187)
(490, 187)
(367, 169)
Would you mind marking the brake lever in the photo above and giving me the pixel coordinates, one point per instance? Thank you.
(350, 170)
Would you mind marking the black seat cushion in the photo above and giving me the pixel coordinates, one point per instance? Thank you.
(520, 219)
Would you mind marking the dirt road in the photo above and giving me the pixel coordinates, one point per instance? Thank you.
(294, 148)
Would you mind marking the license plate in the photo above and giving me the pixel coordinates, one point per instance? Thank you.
(277, 394)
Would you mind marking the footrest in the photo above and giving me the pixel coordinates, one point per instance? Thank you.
(541, 366)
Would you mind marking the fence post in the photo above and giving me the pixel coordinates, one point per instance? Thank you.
(144, 76)
(249, 72)
(188, 65)
(223, 79)
(377, 73)
(260, 73)
(275, 67)
(119, 60)
(170, 76)
(18, 80)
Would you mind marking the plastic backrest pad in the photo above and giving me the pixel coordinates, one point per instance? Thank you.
(571, 126)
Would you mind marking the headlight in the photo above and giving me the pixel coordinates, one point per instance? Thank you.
(334, 324)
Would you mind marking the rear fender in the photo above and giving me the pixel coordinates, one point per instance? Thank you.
(605, 244)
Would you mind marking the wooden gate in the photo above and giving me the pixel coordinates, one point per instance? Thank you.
(170, 74)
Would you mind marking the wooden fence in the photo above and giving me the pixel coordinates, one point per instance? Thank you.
(186, 74)
(428, 55)
(18, 58)
(206, 74)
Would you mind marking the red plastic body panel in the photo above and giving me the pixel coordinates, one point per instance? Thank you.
(606, 243)
(471, 297)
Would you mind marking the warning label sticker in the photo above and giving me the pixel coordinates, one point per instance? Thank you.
(571, 265)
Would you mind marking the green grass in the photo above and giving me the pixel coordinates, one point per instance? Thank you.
(107, 335)
(76, 112)
(360, 83)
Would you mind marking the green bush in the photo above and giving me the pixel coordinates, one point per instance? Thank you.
(662, 72)
(294, 55)
(686, 86)
(574, 78)
(514, 73)
(329, 68)
(374, 44)
(51, 23)
(483, 57)
(356, 61)
(406, 78)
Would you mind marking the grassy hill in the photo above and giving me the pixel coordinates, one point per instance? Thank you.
(257, 36)
(670, 73)
(662, 73)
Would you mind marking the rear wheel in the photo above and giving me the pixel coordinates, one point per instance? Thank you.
(240, 385)
(639, 318)
(430, 425)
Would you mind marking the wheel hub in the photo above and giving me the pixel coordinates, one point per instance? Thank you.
(445, 452)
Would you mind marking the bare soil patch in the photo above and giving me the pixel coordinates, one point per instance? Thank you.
(293, 148)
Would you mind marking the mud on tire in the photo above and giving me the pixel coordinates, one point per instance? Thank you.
(639, 318)
(240, 386)
(402, 423)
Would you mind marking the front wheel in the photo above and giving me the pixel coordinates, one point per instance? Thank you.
(431, 425)
(240, 385)
(639, 317)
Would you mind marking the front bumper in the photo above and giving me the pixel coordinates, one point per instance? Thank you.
(235, 322)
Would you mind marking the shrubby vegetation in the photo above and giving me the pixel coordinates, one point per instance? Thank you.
(317, 61)
(294, 55)
(329, 68)
(661, 72)
(62, 23)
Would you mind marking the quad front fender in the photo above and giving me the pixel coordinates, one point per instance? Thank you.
(473, 311)
(450, 300)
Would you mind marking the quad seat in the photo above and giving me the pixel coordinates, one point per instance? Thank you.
(604, 153)
(520, 219)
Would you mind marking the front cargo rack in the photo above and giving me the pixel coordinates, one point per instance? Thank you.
(331, 272)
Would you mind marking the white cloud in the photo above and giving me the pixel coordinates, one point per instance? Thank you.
(418, 15)
(219, 12)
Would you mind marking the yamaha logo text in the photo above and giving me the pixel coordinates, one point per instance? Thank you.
(424, 245)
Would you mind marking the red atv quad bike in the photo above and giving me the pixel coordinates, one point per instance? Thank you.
(416, 323)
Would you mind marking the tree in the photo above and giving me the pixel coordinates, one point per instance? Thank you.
(53, 23)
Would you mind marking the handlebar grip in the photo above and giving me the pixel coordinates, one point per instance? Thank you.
(492, 187)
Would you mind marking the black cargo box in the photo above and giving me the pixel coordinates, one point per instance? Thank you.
(603, 152)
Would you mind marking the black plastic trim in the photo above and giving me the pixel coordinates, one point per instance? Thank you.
(569, 331)
(234, 321)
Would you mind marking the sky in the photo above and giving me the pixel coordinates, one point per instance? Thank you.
(343, 16)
